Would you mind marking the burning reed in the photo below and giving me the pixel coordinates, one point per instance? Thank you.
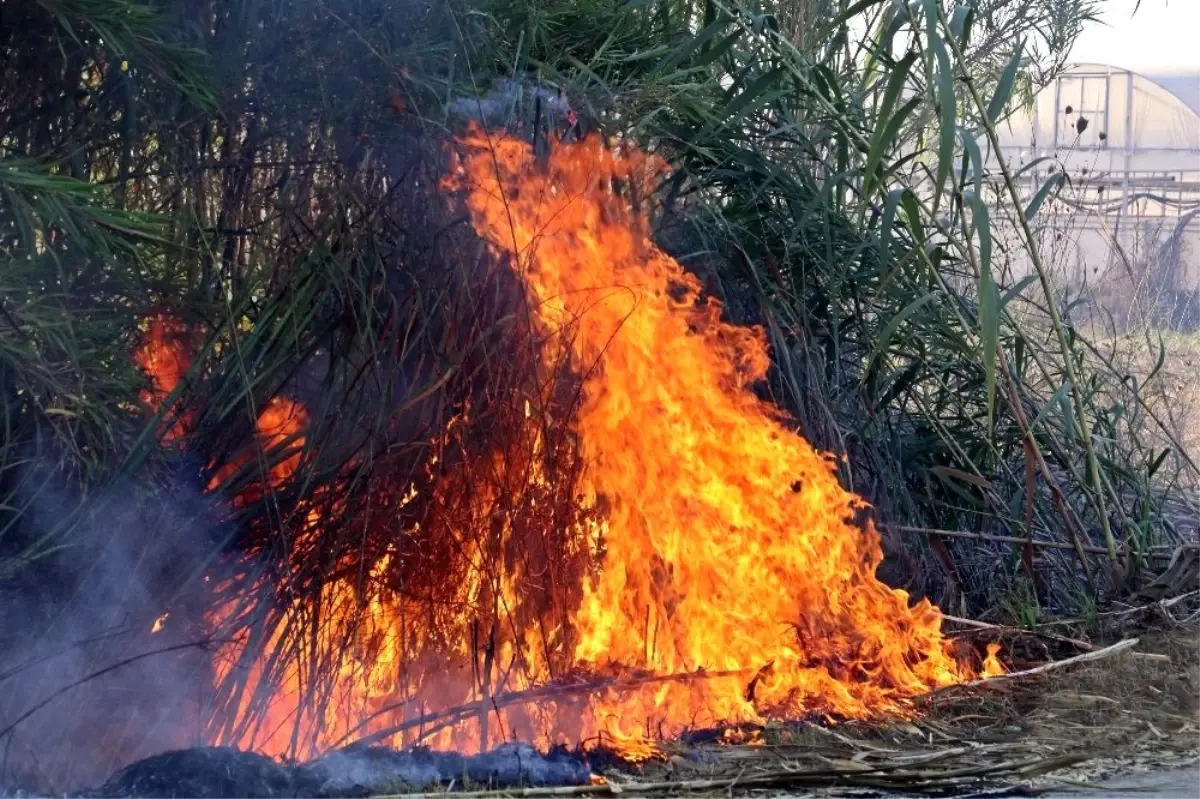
(727, 542)
(636, 522)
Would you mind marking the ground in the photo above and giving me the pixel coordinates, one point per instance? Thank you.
(1123, 722)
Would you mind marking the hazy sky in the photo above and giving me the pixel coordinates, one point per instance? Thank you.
(1161, 36)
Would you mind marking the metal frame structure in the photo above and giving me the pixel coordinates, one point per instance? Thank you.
(1148, 179)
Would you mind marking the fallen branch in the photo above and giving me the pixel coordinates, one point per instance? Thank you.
(1161, 604)
(1097, 654)
(432, 722)
(881, 777)
(1000, 628)
(1156, 657)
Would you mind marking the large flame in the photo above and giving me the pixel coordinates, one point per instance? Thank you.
(732, 580)
(730, 545)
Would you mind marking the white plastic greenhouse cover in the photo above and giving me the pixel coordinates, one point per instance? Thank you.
(1109, 120)
(1125, 227)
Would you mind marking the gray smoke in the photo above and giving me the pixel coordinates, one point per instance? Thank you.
(368, 770)
(216, 773)
(508, 100)
(85, 685)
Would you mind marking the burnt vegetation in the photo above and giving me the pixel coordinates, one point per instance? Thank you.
(270, 173)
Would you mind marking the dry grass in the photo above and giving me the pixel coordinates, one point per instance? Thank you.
(1137, 710)
(1173, 391)
(1165, 367)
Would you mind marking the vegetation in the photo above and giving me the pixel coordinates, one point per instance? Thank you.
(829, 181)
(268, 173)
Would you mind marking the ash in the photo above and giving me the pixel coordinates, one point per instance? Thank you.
(216, 773)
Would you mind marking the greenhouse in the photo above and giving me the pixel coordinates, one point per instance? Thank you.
(1123, 232)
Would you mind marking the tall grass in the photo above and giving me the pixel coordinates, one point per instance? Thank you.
(833, 186)
(268, 173)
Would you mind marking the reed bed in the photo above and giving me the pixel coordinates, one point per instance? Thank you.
(269, 175)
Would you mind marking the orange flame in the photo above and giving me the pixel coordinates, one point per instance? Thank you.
(164, 354)
(730, 546)
(279, 424)
(733, 583)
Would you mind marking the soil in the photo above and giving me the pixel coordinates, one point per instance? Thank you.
(1131, 720)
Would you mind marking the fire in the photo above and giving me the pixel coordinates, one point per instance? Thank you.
(164, 354)
(730, 545)
(279, 425)
(717, 575)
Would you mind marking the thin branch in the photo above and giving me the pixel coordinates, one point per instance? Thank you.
(204, 644)
(1097, 654)
(454, 714)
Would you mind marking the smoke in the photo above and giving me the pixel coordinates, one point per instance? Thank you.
(510, 99)
(355, 771)
(350, 772)
(86, 684)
